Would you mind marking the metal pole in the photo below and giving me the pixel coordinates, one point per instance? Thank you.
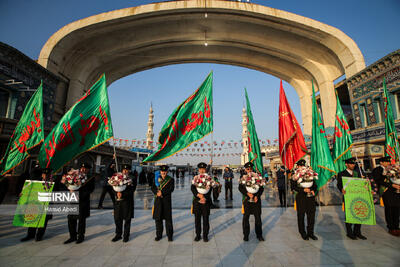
(284, 156)
(115, 156)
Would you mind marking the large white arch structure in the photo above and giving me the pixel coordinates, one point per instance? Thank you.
(121, 42)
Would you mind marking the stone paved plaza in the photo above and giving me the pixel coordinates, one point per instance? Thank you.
(283, 245)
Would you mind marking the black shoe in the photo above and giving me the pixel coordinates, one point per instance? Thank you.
(197, 238)
(360, 236)
(126, 239)
(205, 239)
(26, 238)
(116, 238)
(246, 238)
(170, 239)
(313, 237)
(38, 238)
(70, 240)
(100, 207)
(351, 236)
(304, 236)
(260, 238)
(80, 239)
(157, 238)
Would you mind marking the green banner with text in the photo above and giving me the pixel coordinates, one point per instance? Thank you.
(31, 209)
(358, 202)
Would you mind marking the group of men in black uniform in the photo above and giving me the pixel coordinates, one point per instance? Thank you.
(164, 185)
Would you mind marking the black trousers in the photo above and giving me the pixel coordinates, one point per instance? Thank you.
(228, 188)
(282, 197)
(39, 232)
(109, 190)
(392, 217)
(215, 193)
(310, 220)
(257, 225)
(168, 227)
(356, 230)
(197, 222)
(73, 222)
(118, 227)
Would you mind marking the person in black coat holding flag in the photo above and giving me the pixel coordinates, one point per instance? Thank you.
(162, 188)
(353, 232)
(252, 205)
(124, 207)
(305, 202)
(201, 207)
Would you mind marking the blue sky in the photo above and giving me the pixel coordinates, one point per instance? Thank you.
(26, 25)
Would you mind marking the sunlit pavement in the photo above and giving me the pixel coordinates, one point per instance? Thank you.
(283, 245)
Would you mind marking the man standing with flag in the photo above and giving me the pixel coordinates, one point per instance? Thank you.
(27, 134)
(162, 189)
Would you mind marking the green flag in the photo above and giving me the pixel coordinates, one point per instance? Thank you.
(343, 140)
(85, 126)
(321, 159)
(252, 139)
(27, 134)
(391, 141)
(31, 209)
(189, 122)
(358, 201)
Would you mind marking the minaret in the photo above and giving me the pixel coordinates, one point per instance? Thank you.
(150, 134)
(245, 155)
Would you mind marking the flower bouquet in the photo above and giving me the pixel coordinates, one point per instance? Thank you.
(252, 181)
(74, 179)
(119, 181)
(393, 173)
(203, 183)
(305, 176)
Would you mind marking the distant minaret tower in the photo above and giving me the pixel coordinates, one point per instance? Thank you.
(150, 134)
(245, 134)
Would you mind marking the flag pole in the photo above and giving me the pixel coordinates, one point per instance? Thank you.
(115, 156)
(284, 156)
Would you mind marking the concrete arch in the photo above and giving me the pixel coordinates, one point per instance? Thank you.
(122, 42)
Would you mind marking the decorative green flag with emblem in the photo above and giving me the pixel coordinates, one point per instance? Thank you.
(189, 122)
(252, 139)
(342, 139)
(27, 134)
(85, 126)
(391, 141)
(358, 201)
(31, 209)
(321, 159)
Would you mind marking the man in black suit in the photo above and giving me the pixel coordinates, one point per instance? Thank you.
(84, 208)
(201, 207)
(305, 200)
(162, 207)
(252, 205)
(353, 232)
(107, 188)
(124, 207)
(391, 199)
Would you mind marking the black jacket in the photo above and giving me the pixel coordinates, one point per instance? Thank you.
(304, 202)
(251, 207)
(389, 195)
(196, 205)
(162, 205)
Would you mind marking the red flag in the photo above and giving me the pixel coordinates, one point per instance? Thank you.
(291, 141)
